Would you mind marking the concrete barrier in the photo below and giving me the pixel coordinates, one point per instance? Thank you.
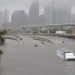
(12, 37)
(40, 38)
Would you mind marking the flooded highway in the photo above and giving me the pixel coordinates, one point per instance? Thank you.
(42, 60)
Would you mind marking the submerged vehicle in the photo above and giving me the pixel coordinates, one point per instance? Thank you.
(36, 45)
(60, 32)
(42, 42)
(65, 54)
(20, 38)
(63, 43)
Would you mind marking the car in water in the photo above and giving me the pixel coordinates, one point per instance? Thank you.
(63, 43)
(36, 45)
(20, 38)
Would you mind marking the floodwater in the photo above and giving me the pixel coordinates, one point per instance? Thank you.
(30, 60)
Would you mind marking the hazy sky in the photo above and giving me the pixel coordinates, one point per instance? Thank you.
(12, 5)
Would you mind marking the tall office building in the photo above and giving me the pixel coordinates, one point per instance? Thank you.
(57, 16)
(0, 19)
(42, 19)
(72, 18)
(19, 18)
(5, 18)
(60, 15)
(34, 14)
(66, 15)
(48, 15)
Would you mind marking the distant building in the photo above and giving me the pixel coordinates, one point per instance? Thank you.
(66, 15)
(34, 14)
(60, 15)
(42, 19)
(72, 18)
(5, 18)
(19, 18)
(48, 15)
(56, 18)
(0, 19)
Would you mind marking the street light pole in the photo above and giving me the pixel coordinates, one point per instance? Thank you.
(53, 15)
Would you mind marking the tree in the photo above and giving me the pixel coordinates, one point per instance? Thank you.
(3, 32)
(54, 30)
(0, 33)
(2, 40)
(1, 52)
(69, 31)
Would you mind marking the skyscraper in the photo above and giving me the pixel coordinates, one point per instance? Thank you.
(19, 18)
(0, 19)
(72, 18)
(58, 16)
(5, 18)
(62, 15)
(34, 14)
(42, 19)
(66, 15)
(48, 14)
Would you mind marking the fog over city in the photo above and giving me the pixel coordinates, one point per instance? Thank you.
(37, 37)
(12, 5)
(36, 12)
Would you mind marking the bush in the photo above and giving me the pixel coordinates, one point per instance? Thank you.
(4, 32)
(2, 40)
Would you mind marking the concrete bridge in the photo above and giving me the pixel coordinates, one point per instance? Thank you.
(59, 26)
(22, 29)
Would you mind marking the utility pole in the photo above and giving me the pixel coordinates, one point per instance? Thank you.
(53, 14)
(42, 17)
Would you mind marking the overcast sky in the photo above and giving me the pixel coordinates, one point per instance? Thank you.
(12, 5)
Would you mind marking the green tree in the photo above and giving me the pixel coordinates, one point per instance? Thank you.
(3, 32)
(69, 31)
(1, 52)
(54, 30)
(2, 40)
(45, 31)
(0, 33)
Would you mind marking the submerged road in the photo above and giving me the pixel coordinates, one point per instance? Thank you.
(42, 60)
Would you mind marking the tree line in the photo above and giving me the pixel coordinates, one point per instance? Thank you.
(2, 40)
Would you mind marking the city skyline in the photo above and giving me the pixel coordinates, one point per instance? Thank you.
(12, 5)
(40, 13)
(61, 15)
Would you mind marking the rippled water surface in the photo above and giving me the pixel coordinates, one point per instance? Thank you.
(30, 60)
